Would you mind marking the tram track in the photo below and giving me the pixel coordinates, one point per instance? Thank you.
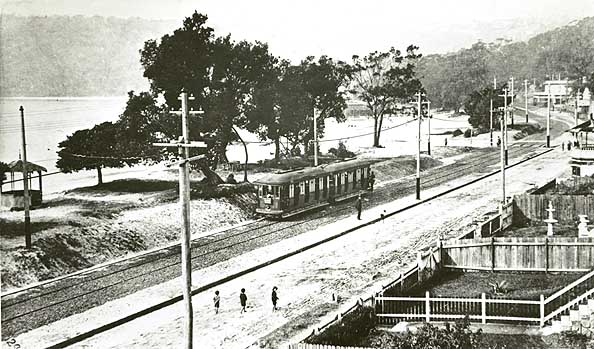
(24, 313)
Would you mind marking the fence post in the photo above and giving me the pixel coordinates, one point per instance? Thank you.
(542, 310)
(427, 307)
(492, 254)
(484, 308)
(546, 254)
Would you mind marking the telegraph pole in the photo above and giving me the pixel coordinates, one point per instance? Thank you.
(549, 115)
(429, 126)
(577, 97)
(503, 152)
(504, 125)
(491, 112)
(418, 176)
(512, 101)
(183, 146)
(526, 98)
(25, 182)
(315, 132)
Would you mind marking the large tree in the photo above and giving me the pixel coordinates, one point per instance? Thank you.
(477, 106)
(383, 79)
(92, 149)
(223, 75)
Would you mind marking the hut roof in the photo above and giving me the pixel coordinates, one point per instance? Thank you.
(17, 166)
(587, 126)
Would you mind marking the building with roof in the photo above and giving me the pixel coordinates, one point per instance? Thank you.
(559, 91)
(14, 198)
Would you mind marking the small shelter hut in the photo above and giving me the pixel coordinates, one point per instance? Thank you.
(14, 198)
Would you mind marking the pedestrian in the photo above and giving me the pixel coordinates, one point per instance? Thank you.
(563, 146)
(568, 145)
(359, 206)
(242, 300)
(371, 180)
(217, 301)
(445, 142)
(274, 298)
(498, 141)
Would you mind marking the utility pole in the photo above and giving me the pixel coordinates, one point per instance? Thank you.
(512, 101)
(526, 99)
(577, 97)
(418, 176)
(429, 126)
(183, 146)
(315, 117)
(491, 123)
(504, 125)
(503, 152)
(25, 182)
(549, 115)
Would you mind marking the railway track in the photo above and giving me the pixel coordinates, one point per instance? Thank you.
(52, 301)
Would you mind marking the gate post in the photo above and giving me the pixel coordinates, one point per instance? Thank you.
(483, 308)
(427, 307)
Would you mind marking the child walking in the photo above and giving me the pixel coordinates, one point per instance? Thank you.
(243, 300)
(274, 298)
(217, 301)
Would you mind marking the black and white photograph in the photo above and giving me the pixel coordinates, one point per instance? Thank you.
(259, 174)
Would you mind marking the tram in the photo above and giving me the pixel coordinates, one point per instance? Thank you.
(287, 193)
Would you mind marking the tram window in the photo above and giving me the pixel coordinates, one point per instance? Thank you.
(276, 192)
(291, 190)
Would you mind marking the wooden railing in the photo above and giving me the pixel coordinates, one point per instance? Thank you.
(560, 302)
(391, 310)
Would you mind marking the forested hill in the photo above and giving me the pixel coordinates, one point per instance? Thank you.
(74, 55)
(567, 51)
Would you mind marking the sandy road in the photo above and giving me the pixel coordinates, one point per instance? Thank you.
(352, 266)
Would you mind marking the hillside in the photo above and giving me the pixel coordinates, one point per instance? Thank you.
(567, 50)
(73, 55)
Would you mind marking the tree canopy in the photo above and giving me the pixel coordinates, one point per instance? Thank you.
(91, 149)
(383, 79)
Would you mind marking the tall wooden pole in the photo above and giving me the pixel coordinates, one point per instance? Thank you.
(577, 97)
(429, 127)
(315, 132)
(512, 101)
(503, 152)
(25, 182)
(549, 115)
(491, 123)
(418, 176)
(526, 99)
(184, 195)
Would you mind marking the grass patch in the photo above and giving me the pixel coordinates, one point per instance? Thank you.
(540, 231)
(528, 286)
(11, 229)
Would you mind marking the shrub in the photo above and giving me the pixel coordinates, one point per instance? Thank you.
(457, 132)
(342, 151)
(467, 133)
(354, 327)
(430, 336)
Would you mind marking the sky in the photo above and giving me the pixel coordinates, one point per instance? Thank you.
(337, 28)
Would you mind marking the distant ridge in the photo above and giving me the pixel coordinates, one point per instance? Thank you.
(74, 55)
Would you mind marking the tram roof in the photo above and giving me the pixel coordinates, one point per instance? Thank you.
(297, 175)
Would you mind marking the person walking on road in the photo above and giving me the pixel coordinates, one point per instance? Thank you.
(359, 206)
(274, 298)
(217, 301)
(243, 300)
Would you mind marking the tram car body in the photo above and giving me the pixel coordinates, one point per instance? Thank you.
(286, 193)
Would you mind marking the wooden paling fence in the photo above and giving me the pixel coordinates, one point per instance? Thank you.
(533, 204)
(391, 310)
(491, 225)
(557, 254)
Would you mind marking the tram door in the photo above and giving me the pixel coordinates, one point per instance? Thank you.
(332, 185)
(297, 193)
(338, 183)
(306, 191)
